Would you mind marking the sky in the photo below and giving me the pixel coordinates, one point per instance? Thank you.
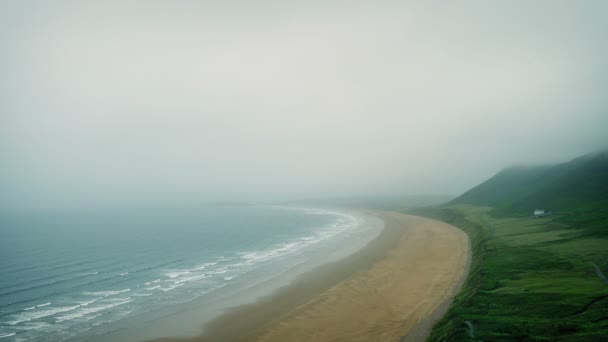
(128, 101)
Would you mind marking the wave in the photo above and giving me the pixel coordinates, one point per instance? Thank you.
(7, 335)
(152, 282)
(30, 316)
(58, 277)
(277, 251)
(180, 277)
(82, 285)
(37, 306)
(42, 285)
(81, 309)
(87, 311)
(176, 274)
(247, 261)
(343, 223)
(47, 269)
(104, 294)
(33, 315)
(165, 289)
(79, 277)
(32, 326)
(195, 279)
(205, 265)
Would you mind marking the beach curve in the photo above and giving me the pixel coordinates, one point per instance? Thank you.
(387, 301)
(394, 289)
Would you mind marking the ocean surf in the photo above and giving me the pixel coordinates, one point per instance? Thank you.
(108, 274)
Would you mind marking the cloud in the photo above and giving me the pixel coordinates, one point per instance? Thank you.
(225, 100)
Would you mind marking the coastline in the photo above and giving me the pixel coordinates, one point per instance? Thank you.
(191, 319)
(394, 288)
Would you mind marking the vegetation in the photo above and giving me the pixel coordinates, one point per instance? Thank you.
(579, 185)
(533, 279)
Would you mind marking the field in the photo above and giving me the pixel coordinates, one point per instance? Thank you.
(531, 279)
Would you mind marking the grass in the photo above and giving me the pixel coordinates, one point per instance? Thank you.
(531, 279)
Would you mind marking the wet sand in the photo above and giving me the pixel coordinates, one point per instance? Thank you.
(393, 288)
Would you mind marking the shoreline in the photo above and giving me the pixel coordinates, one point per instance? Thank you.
(333, 301)
(190, 319)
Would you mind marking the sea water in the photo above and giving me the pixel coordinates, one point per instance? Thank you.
(79, 275)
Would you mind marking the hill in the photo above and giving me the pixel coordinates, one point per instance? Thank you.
(578, 185)
(532, 279)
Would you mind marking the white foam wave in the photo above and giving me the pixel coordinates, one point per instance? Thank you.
(343, 223)
(193, 278)
(87, 311)
(176, 274)
(277, 251)
(165, 289)
(32, 315)
(124, 274)
(32, 326)
(89, 302)
(7, 335)
(106, 293)
(246, 261)
(205, 265)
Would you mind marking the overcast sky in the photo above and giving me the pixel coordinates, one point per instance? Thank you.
(105, 101)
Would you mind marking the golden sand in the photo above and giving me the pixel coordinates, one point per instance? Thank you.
(391, 290)
(384, 302)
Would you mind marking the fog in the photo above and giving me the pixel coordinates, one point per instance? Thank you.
(125, 102)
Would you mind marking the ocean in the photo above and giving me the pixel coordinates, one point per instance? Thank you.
(81, 276)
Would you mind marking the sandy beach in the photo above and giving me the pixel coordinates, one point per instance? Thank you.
(393, 289)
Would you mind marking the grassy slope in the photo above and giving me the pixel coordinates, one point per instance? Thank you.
(581, 184)
(532, 279)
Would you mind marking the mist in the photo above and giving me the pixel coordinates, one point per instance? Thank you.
(126, 102)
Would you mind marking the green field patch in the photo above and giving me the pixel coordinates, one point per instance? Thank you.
(531, 280)
(517, 260)
(538, 237)
(506, 230)
(563, 283)
(589, 247)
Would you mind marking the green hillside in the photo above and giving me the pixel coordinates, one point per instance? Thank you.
(533, 279)
(576, 192)
(573, 185)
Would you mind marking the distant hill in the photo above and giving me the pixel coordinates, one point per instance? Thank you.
(580, 184)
